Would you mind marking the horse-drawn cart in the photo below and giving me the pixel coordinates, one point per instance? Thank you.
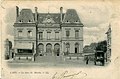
(99, 58)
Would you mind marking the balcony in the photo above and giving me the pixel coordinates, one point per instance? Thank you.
(50, 40)
(72, 38)
(24, 38)
(61, 39)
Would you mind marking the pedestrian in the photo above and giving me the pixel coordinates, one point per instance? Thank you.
(87, 60)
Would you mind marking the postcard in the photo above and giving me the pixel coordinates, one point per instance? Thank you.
(56, 39)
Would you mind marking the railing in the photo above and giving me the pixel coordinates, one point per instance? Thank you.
(51, 39)
(72, 38)
(25, 38)
(73, 56)
(24, 54)
(45, 39)
(63, 38)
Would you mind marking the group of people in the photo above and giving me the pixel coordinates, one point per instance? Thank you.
(98, 59)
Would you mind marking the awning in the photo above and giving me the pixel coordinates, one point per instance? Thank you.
(23, 45)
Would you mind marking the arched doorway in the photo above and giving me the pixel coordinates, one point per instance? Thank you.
(56, 49)
(76, 47)
(67, 48)
(40, 49)
(49, 48)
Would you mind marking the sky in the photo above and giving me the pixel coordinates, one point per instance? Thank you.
(96, 17)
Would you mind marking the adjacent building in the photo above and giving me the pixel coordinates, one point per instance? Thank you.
(51, 34)
(8, 49)
(89, 51)
(108, 54)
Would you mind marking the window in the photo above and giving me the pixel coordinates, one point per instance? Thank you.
(56, 35)
(24, 51)
(19, 33)
(67, 45)
(20, 21)
(76, 34)
(76, 21)
(40, 35)
(48, 35)
(20, 50)
(67, 33)
(29, 21)
(29, 33)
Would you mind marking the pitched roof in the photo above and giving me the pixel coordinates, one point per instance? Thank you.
(71, 16)
(108, 31)
(49, 17)
(88, 49)
(25, 16)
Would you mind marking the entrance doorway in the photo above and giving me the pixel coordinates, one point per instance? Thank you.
(40, 49)
(76, 48)
(56, 49)
(12, 55)
(49, 48)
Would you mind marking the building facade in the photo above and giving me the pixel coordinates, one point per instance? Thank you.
(51, 34)
(108, 54)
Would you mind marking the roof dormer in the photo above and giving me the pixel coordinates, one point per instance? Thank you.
(25, 16)
(71, 16)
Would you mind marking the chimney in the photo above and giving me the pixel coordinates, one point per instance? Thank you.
(61, 14)
(17, 11)
(36, 14)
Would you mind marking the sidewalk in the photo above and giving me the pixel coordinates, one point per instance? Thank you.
(52, 62)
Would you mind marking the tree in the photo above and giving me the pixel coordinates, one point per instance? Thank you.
(93, 46)
(102, 46)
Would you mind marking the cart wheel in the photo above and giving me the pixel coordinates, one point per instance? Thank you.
(103, 63)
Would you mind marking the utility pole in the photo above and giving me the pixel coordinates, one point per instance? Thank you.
(36, 25)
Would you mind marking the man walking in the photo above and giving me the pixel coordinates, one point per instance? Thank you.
(87, 60)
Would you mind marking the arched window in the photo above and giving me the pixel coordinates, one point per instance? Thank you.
(49, 48)
(40, 48)
(67, 45)
(56, 49)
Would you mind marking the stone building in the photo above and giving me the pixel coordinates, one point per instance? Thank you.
(108, 54)
(51, 34)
